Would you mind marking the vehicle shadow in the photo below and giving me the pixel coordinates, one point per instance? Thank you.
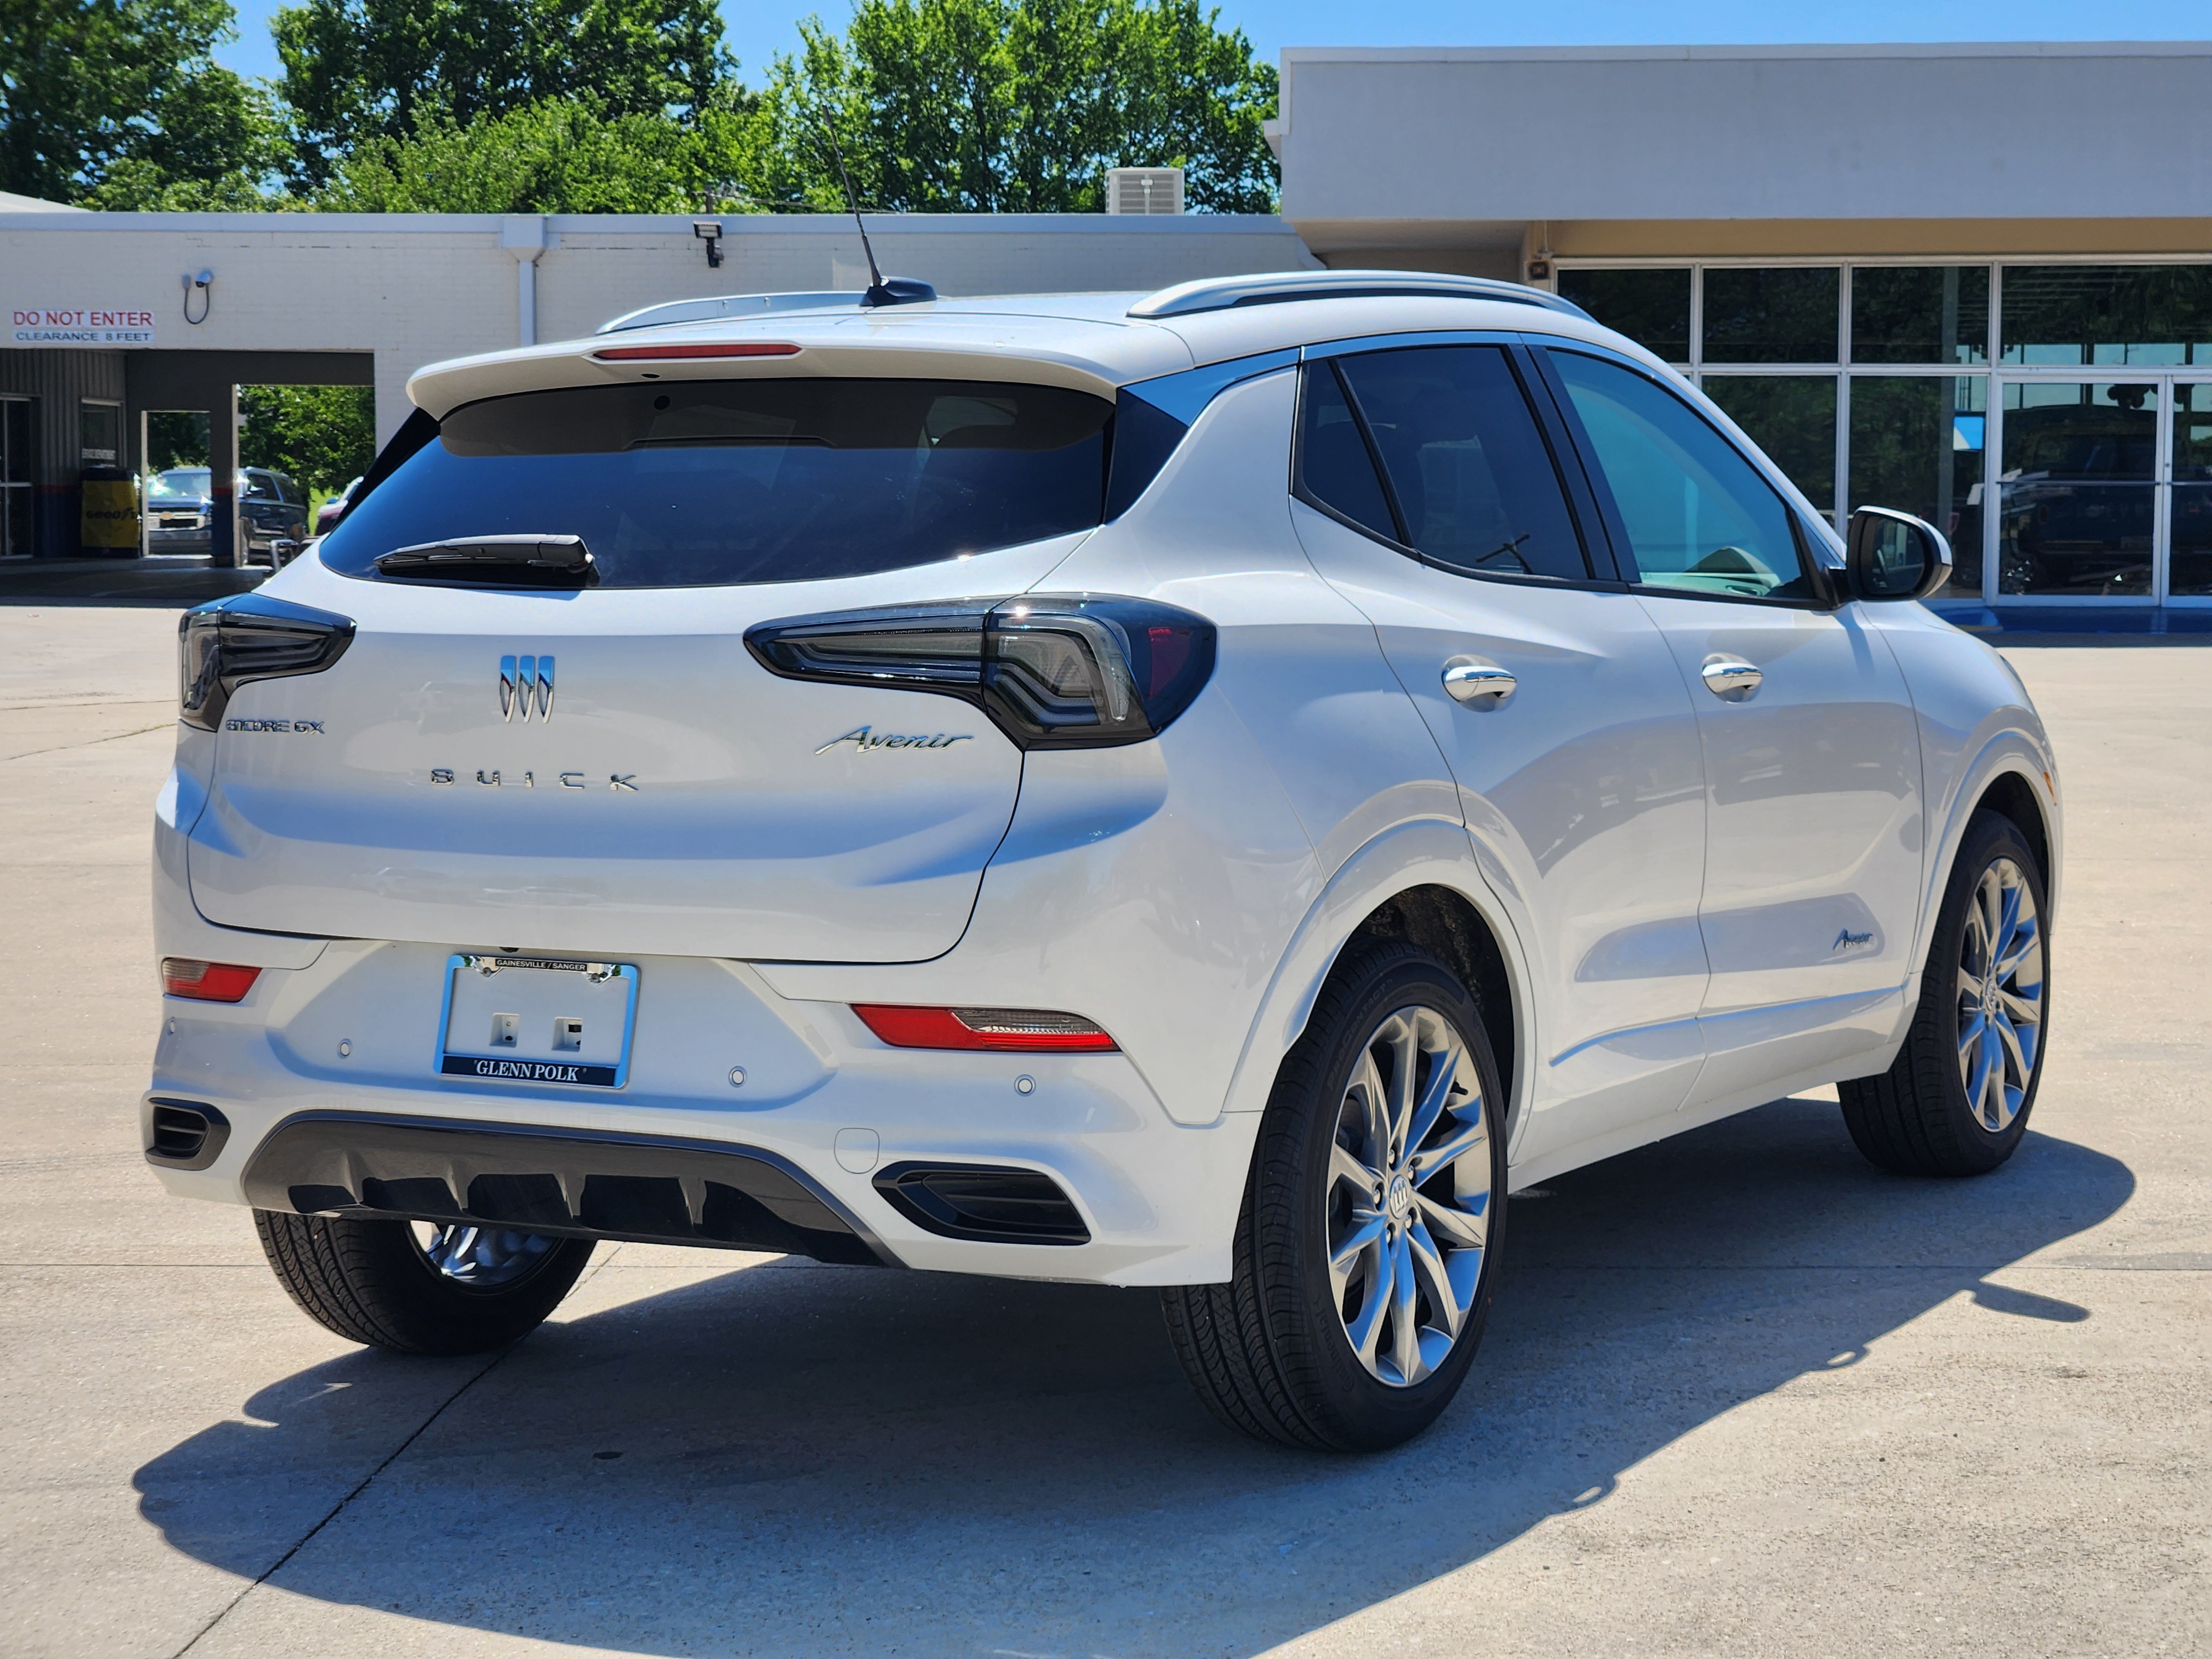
(797, 1460)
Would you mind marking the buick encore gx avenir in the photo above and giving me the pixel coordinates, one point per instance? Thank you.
(1206, 791)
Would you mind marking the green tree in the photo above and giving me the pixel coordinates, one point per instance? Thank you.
(120, 103)
(1006, 107)
(323, 435)
(355, 71)
(550, 157)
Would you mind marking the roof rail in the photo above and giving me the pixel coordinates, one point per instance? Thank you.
(1277, 287)
(716, 307)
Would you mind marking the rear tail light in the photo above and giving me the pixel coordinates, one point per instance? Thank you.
(207, 982)
(996, 1030)
(663, 354)
(224, 644)
(1052, 670)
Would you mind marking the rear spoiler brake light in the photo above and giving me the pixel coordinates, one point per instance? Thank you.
(659, 353)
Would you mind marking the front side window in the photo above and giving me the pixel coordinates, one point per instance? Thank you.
(1698, 517)
(708, 483)
(1469, 480)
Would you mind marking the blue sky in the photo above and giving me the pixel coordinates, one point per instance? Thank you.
(757, 32)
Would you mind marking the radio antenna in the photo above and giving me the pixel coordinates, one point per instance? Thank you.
(878, 293)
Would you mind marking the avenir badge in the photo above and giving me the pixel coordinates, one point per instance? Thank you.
(865, 741)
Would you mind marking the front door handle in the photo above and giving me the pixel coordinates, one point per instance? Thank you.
(1477, 682)
(1725, 676)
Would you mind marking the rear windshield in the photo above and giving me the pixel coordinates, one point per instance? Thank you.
(712, 482)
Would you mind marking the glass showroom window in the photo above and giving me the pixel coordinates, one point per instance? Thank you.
(1770, 315)
(1917, 442)
(2089, 316)
(1777, 317)
(2079, 502)
(1650, 306)
(1920, 315)
(2189, 574)
(1846, 375)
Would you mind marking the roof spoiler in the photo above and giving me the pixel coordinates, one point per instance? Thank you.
(904, 291)
(1277, 287)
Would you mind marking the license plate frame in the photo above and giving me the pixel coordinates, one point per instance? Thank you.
(448, 1060)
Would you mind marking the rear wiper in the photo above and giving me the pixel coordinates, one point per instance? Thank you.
(494, 561)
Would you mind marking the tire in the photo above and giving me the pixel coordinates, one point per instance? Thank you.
(373, 1282)
(1920, 1117)
(1273, 1352)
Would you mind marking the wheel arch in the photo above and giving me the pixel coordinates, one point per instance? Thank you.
(1442, 921)
(2011, 775)
(1418, 883)
(2011, 795)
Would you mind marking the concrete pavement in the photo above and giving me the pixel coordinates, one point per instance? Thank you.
(1742, 1394)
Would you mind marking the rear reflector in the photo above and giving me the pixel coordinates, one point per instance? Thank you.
(998, 1030)
(207, 982)
(661, 354)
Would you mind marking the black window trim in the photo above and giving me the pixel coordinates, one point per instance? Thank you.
(1827, 593)
(1319, 358)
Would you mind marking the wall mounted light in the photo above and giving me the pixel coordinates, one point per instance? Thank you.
(709, 231)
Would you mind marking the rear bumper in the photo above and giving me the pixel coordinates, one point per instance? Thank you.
(326, 1079)
(651, 1188)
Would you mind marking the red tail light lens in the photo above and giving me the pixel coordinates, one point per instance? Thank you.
(207, 982)
(996, 1030)
(665, 353)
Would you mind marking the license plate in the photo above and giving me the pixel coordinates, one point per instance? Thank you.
(537, 1019)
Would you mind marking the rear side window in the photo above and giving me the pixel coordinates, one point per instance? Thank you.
(1699, 516)
(1335, 467)
(726, 482)
(1470, 480)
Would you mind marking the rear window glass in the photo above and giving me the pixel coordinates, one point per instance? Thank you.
(724, 482)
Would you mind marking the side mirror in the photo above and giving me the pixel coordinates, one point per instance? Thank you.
(1894, 556)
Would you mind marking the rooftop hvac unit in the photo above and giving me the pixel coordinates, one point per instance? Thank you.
(1143, 190)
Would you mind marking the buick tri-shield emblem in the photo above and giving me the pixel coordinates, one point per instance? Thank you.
(525, 682)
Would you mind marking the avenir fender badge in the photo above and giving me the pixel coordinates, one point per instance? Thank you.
(620, 783)
(865, 741)
(315, 727)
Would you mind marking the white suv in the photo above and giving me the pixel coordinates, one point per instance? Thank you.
(1206, 791)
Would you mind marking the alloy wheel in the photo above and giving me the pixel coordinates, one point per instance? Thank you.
(2000, 996)
(1408, 1196)
(481, 1258)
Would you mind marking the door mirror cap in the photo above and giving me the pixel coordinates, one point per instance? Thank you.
(1894, 556)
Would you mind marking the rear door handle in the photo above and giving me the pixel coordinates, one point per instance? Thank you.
(1725, 676)
(1474, 682)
